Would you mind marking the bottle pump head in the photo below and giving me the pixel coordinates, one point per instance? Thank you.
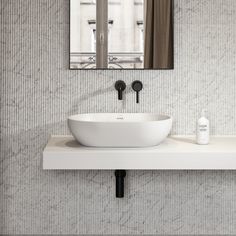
(203, 113)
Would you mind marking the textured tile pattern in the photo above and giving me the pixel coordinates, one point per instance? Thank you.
(38, 93)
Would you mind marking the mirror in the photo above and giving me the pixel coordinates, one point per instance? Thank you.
(121, 34)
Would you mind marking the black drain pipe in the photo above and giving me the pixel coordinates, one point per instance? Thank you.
(120, 177)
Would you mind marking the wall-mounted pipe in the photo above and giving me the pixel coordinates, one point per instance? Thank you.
(120, 177)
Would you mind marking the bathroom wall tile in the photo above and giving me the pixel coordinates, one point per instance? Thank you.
(158, 203)
(205, 12)
(38, 93)
(35, 200)
(35, 13)
(34, 105)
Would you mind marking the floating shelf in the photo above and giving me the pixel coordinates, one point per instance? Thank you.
(175, 153)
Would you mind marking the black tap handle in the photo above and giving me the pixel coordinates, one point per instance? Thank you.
(137, 86)
(120, 94)
(137, 97)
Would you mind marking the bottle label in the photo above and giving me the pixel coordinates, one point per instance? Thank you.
(202, 127)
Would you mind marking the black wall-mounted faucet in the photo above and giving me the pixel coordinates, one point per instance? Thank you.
(137, 86)
(120, 87)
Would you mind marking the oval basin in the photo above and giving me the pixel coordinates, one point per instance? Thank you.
(120, 129)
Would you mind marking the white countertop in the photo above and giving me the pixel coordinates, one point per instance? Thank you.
(175, 153)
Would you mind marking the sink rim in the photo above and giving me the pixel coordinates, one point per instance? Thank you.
(81, 117)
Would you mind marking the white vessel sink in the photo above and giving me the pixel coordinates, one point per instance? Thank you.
(120, 130)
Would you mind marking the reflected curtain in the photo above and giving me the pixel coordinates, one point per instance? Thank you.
(158, 48)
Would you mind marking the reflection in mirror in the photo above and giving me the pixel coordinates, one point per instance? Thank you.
(82, 34)
(121, 34)
(125, 35)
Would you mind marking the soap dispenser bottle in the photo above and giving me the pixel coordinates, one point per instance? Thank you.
(203, 129)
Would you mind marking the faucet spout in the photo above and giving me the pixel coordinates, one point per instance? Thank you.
(120, 87)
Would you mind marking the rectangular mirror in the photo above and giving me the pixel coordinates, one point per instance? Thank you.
(121, 34)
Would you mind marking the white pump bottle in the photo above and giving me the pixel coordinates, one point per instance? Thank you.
(203, 129)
